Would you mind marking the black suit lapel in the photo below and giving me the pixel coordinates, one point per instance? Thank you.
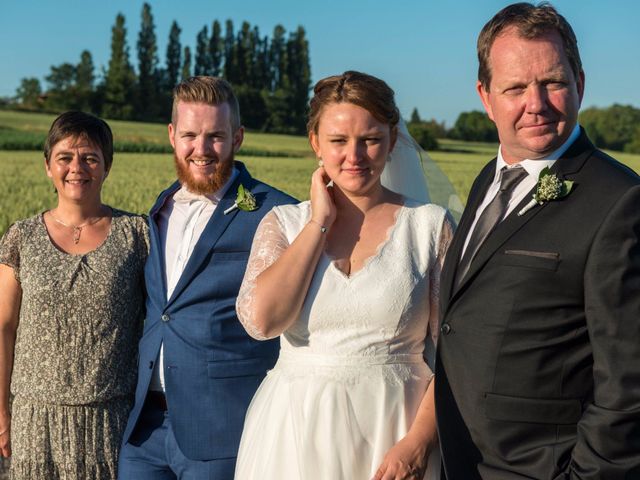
(476, 195)
(570, 163)
(574, 158)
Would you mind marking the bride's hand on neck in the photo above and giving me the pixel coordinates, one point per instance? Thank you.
(323, 207)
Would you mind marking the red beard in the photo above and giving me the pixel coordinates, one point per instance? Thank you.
(214, 182)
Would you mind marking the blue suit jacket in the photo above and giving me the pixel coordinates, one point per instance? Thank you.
(212, 368)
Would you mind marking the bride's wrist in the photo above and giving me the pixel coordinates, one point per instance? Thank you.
(324, 228)
(423, 438)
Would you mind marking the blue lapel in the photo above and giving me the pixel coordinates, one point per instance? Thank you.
(216, 226)
(156, 255)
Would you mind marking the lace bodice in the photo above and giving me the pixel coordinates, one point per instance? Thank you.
(385, 308)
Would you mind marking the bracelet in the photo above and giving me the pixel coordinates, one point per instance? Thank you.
(323, 229)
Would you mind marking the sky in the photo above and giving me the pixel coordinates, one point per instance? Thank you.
(424, 49)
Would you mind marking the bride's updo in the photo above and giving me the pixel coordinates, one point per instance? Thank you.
(360, 89)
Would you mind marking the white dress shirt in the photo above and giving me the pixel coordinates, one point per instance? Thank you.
(533, 168)
(181, 221)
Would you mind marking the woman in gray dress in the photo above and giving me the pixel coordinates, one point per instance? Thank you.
(71, 312)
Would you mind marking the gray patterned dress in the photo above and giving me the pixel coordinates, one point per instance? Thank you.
(74, 368)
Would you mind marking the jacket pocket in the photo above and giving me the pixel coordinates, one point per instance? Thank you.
(561, 411)
(530, 259)
(238, 368)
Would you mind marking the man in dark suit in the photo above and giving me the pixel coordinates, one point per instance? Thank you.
(538, 361)
(198, 369)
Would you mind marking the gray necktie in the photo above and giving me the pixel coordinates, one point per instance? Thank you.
(491, 216)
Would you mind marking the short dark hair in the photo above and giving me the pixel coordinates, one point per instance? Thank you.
(207, 90)
(358, 88)
(81, 125)
(530, 21)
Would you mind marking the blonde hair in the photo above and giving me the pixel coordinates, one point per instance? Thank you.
(207, 90)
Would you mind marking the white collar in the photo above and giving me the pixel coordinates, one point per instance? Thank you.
(534, 167)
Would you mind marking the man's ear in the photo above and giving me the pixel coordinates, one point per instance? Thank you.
(485, 97)
(238, 138)
(172, 132)
(580, 86)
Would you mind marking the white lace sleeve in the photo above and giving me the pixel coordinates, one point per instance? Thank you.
(269, 243)
(446, 234)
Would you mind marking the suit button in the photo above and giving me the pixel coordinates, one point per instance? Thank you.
(445, 329)
(165, 317)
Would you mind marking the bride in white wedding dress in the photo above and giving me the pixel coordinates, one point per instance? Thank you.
(350, 281)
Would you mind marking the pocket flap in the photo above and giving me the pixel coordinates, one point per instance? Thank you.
(562, 411)
(530, 259)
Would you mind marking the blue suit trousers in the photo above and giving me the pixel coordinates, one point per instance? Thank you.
(153, 454)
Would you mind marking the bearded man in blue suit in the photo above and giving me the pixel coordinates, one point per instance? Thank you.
(198, 369)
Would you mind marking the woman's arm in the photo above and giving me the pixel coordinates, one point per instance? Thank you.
(10, 299)
(278, 274)
(407, 459)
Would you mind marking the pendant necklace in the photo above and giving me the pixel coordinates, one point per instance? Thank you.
(77, 229)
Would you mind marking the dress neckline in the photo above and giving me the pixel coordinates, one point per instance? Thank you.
(76, 255)
(379, 249)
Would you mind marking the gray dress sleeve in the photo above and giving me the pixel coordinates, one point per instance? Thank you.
(10, 249)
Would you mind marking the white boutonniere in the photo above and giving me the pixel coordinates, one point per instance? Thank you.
(549, 187)
(244, 201)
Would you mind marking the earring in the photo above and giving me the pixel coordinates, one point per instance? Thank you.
(320, 163)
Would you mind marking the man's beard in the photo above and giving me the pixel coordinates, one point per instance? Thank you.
(214, 181)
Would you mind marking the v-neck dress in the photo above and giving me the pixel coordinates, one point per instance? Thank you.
(74, 371)
(351, 372)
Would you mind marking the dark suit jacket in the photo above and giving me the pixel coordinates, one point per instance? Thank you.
(212, 368)
(538, 362)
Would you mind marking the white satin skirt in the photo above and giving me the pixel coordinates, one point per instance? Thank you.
(319, 417)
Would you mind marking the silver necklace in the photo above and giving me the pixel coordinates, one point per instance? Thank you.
(77, 229)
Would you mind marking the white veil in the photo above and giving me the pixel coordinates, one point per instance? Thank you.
(403, 172)
(412, 173)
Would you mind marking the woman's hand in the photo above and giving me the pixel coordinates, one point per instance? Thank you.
(5, 436)
(323, 208)
(406, 460)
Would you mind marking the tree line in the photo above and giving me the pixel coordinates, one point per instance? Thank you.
(616, 128)
(270, 75)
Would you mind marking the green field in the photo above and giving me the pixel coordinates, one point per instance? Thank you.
(133, 184)
(137, 178)
(32, 128)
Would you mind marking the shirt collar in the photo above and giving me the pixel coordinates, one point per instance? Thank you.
(534, 167)
(184, 195)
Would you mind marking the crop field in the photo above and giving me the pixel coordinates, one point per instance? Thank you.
(136, 179)
(18, 129)
(133, 184)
